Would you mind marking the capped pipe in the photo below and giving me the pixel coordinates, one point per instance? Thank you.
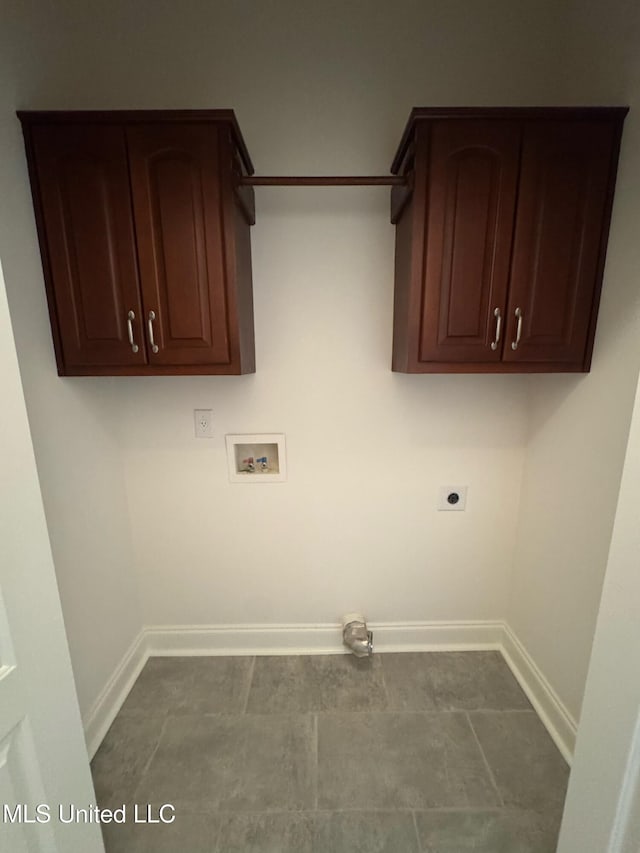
(356, 636)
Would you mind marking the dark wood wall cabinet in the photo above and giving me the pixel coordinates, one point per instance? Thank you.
(144, 234)
(501, 235)
(501, 215)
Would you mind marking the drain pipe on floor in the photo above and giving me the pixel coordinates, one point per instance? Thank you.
(356, 636)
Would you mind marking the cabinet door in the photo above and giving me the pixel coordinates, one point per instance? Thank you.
(472, 178)
(176, 184)
(559, 223)
(88, 237)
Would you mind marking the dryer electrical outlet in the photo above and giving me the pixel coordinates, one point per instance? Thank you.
(452, 499)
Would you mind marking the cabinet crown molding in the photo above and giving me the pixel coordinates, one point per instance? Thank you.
(223, 116)
(419, 114)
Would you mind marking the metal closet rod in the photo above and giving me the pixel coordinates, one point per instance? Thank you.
(324, 181)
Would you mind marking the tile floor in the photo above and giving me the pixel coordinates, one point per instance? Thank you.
(401, 753)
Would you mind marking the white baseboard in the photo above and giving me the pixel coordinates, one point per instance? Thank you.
(243, 639)
(436, 636)
(115, 691)
(318, 639)
(299, 639)
(556, 718)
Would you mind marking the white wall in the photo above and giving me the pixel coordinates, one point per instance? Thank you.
(578, 426)
(327, 88)
(603, 799)
(355, 526)
(602, 805)
(79, 462)
(37, 695)
(317, 88)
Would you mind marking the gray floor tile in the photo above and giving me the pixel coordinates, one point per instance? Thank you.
(290, 832)
(190, 685)
(298, 684)
(191, 833)
(410, 760)
(319, 832)
(233, 763)
(407, 677)
(364, 832)
(503, 831)
(527, 767)
(332, 756)
(123, 755)
(451, 681)
(278, 686)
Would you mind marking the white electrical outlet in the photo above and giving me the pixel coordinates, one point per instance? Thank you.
(452, 499)
(203, 423)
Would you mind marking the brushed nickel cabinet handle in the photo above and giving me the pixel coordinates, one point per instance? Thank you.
(514, 345)
(154, 345)
(497, 314)
(134, 346)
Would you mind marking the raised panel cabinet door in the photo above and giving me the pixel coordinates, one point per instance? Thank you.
(471, 194)
(86, 216)
(177, 197)
(562, 205)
